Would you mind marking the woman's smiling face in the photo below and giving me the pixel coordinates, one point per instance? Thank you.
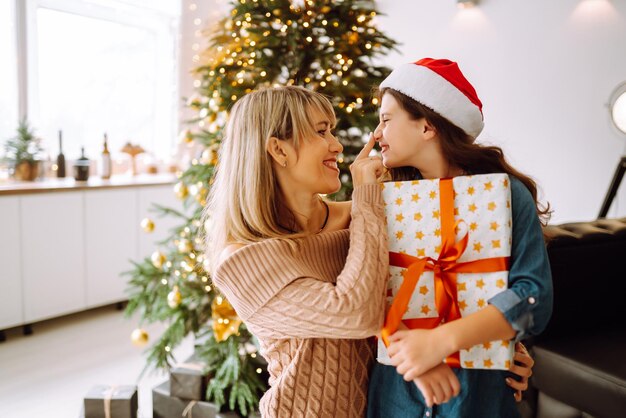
(316, 166)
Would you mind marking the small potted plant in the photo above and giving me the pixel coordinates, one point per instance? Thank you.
(21, 152)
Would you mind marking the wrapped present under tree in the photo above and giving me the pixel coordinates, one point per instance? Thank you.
(164, 405)
(104, 401)
(188, 380)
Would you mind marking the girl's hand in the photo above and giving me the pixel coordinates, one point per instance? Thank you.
(438, 385)
(366, 169)
(523, 370)
(416, 351)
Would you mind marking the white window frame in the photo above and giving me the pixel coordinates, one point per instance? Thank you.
(15, 58)
(161, 17)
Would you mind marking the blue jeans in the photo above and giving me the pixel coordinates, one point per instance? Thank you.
(484, 394)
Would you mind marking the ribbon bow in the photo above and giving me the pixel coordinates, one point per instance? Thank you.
(445, 269)
(188, 411)
(108, 395)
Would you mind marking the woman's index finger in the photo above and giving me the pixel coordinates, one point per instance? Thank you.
(367, 148)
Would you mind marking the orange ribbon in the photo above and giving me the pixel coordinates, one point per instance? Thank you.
(445, 269)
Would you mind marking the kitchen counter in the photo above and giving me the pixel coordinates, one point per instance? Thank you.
(12, 187)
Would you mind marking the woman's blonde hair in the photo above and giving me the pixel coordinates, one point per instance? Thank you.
(245, 198)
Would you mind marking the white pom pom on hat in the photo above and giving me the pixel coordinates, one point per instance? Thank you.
(440, 85)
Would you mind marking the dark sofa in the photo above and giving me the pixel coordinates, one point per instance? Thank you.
(580, 368)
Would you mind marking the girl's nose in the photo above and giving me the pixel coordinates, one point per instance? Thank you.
(378, 132)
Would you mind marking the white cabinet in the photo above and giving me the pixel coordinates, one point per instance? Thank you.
(11, 312)
(111, 232)
(53, 257)
(64, 250)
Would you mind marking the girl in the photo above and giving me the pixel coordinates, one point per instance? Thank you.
(308, 287)
(429, 117)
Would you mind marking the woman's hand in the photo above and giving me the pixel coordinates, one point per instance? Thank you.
(438, 385)
(366, 169)
(522, 366)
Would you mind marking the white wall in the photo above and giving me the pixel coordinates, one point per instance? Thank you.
(544, 71)
(192, 33)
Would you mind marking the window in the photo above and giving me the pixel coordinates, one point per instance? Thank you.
(8, 72)
(100, 67)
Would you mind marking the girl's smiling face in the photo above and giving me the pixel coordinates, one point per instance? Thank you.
(399, 135)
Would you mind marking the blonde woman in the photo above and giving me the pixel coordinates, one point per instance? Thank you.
(308, 277)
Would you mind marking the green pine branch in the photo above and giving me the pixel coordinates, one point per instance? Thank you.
(235, 380)
(162, 211)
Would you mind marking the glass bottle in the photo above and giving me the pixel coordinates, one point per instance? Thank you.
(106, 160)
(60, 158)
(81, 167)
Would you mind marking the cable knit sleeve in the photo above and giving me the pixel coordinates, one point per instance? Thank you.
(265, 282)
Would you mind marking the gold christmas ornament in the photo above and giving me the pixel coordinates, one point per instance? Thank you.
(214, 153)
(180, 190)
(174, 298)
(206, 157)
(201, 196)
(213, 127)
(353, 38)
(185, 246)
(186, 136)
(139, 337)
(188, 263)
(195, 102)
(158, 259)
(147, 225)
(224, 318)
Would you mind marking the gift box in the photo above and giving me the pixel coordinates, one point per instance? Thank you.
(166, 406)
(103, 401)
(188, 380)
(449, 249)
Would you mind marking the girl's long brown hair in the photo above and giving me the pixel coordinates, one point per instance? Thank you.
(460, 150)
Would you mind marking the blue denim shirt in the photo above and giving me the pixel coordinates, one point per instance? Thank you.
(526, 304)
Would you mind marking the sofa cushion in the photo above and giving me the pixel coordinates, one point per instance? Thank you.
(551, 408)
(588, 263)
(587, 372)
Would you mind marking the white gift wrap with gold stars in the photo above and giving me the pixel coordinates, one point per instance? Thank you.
(482, 204)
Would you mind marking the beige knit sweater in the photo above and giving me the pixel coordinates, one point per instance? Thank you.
(311, 305)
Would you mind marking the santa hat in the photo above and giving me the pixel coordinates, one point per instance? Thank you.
(440, 85)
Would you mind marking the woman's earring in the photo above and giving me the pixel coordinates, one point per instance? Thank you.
(285, 163)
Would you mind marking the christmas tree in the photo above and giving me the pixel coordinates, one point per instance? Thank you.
(327, 46)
